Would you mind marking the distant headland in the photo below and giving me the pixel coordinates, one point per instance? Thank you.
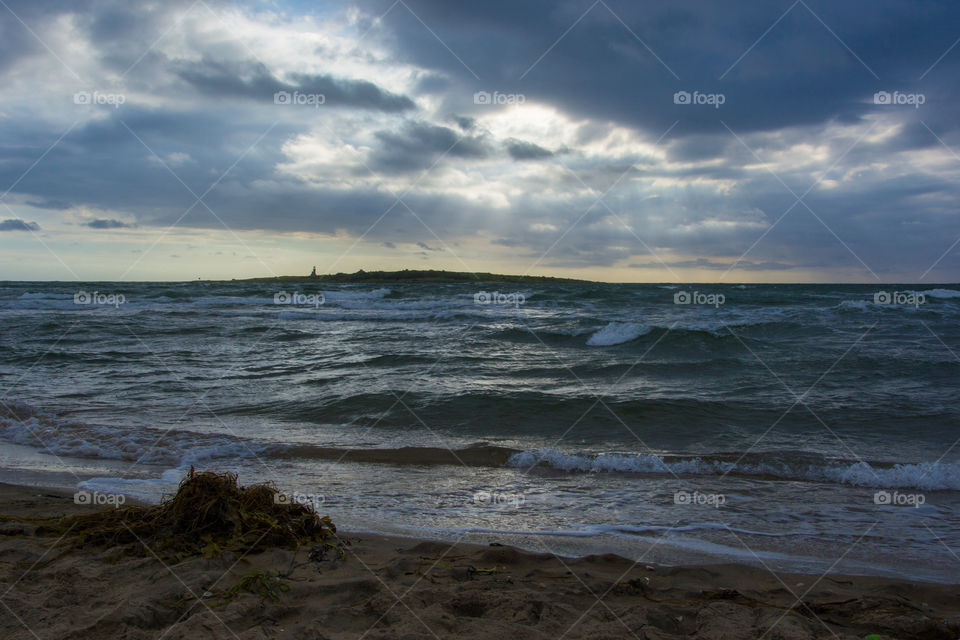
(412, 275)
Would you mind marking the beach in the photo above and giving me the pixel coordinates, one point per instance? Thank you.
(399, 587)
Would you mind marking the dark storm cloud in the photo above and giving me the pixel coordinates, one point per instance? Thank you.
(253, 81)
(418, 145)
(122, 32)
(798, 73)
(107, 224)
(703, 147)
(16, 42)
(53, 205)
(465, 123)
(522, 150)
(103, 165)
(16, 224)
(118, 163)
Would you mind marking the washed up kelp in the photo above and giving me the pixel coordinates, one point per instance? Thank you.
(209, 514)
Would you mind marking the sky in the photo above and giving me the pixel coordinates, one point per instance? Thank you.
(785, 141)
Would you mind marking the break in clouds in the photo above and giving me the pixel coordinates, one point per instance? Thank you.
(811, 138)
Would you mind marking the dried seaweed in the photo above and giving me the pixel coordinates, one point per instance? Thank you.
(209, 514)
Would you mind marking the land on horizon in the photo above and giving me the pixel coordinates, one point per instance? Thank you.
(413, 275)
(444, 276)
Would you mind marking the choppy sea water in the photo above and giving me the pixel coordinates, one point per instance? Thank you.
(807, 427)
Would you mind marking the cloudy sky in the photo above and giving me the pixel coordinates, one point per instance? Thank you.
(607, 139)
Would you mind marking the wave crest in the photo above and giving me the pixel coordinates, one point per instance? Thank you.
(930, 476)
(618, 333)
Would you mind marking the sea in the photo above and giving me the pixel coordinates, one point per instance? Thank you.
(807, 428)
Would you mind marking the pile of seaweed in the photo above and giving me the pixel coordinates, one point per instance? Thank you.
(209, 514)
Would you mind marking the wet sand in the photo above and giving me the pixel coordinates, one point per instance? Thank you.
(393, 587)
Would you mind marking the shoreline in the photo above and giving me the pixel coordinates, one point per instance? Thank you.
(393, 586)
(708, 543)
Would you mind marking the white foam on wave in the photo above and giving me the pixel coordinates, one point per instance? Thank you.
(148, 490)
(941, 293)
(931, 476)
(721, 321)
(593, 530)
(870, 305)
(569, 533)
(618, 333)
(65, 438)
(922, 475)
(177, 450)
(857, 305)
(694, 526)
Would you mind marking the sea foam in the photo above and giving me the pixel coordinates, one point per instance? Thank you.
(930, 476)
(618, 333)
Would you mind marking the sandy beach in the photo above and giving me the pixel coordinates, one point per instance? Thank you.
(392, 587)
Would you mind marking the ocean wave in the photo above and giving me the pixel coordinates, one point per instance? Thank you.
(30, 295)
(215, 301)
(941, 293)
(338, 297)
(533, 334)
(930, 476)
(858, 305)
(148, 490)
(344, 295)
(923, 306)
(181, 449)
(693, 526)
(618, 333)
(21, 424)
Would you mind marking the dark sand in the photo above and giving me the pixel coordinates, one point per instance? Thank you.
(390, 587)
